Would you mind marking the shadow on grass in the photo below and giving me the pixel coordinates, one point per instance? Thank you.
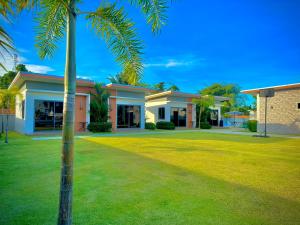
(154, 192)
(114, 186)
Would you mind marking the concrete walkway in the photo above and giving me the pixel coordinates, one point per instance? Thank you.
(148, 132)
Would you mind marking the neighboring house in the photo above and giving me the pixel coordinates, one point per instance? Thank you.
(127, 106)
(283, 110)
(40, 105)
(178, 107)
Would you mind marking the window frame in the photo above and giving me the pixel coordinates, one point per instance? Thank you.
(161, 113)
(23, 109)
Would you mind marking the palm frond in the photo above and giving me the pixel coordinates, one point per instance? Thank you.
(155, 11)
(26, 4)
(51, 20)
(111, 24)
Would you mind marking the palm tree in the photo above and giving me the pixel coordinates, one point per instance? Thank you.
(99, 104)
(7, 102)
(203, 102)
(117, 79)
(173, 88)
(6, 46)
(56, 17)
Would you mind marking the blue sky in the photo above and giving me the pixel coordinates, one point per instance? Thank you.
(252, 43)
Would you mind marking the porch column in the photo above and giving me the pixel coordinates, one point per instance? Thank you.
(113, 113)
(189, 115)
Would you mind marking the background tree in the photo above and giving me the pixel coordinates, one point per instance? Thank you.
(203, 103)
(237, 100)
(8, 77)
(21, 67)
(57, 17)
(160, 86)
(173, 88)
(118, 79)
(99, 104)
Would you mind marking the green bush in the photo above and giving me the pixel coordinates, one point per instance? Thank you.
(100, 127)
(252, 125)
(205, 125)
(150, 126)
(165, 125)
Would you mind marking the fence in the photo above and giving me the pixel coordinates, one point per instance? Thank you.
(235, 122)
(4, 118)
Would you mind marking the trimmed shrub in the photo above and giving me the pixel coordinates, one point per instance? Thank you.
(99, 127)
(252, 125)
(205, 125)
(150, 126)
(165, 125)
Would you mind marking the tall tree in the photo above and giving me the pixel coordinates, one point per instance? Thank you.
(56, 17)
(8, 77)
(160, 86)
(227, 90)
(21, 67)
(118, 79)
(203, 103)
(173, 88)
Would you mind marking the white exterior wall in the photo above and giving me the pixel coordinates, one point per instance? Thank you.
(153, 106)
(26, 125)
(152, 111)
(19, 121)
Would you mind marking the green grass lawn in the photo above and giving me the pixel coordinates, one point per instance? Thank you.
(172, 178)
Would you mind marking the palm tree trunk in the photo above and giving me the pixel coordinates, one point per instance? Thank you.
(2, 125)
(6, 130)
(199, 117)
(66, 183)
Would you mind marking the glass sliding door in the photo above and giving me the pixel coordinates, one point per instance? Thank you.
(48, 115)
(178, 116)
(128, 116)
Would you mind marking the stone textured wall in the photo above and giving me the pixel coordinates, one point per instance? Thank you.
(283, 115)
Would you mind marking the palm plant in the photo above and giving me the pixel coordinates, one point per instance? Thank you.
(56, 17)
(99, 104)
(117, 79)
(7, 102)
(203, 103)
(6, 46)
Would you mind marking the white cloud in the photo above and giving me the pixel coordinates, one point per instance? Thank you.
(84, 77)
(38, 68)
(180, 61)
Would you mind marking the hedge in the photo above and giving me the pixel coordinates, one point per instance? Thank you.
(205, 125)
(150, 126)
(165, 125)
(100, 127)
(252, 125)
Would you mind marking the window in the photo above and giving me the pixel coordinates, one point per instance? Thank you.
(48, 115)
(298, 105)
(161, 113)
(22, 109)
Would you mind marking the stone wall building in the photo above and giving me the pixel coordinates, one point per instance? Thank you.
(283, 109)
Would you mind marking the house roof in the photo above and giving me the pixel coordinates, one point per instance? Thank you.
(172, 93)
(127, 87)
(276, 88)
(21, 77)
(182, 94)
